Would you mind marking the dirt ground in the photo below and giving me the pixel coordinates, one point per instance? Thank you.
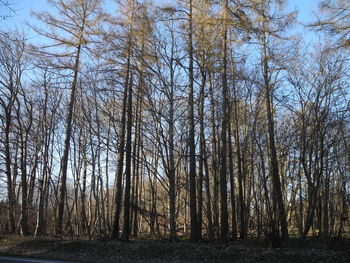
(166, 251)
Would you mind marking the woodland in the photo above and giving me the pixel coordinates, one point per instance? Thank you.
(200, 120)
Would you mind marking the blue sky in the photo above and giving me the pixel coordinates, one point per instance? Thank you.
(305, 7)
(23, 9)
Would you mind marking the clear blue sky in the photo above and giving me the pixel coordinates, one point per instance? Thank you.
(24, 7)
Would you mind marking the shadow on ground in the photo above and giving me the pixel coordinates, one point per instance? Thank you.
(166, 251)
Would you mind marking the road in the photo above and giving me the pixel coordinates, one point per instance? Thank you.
(29, 260)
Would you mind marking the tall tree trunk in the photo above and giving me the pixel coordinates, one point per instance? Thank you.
(214, 159)
(137, 151)
(232, 183)
(211, 234)
(223, 170)
(325, 217)
(126, 226)
(40, 214)
(84, 217)
(243, 230)
(204, 168)
(24, 194)
(10, 186)
(191, 140)
(120, 165)
(277, 190)
(64, 161)
(172, 172)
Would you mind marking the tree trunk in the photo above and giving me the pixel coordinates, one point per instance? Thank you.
(191, 140)
(277, 196)
(223, 170)
(10, 186)
(64, 161)
(232, 184)
(126, 226)
(119, 172)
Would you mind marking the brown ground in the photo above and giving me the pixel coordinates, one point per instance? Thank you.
(166, 251)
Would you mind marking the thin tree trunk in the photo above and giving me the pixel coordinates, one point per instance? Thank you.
(243, 230)
(192, 147)
(119, 173)
(126, 226)
(10, 187)
(64, 161)
(278, 198)
(232, 184)
(214, 159)
(223, 170)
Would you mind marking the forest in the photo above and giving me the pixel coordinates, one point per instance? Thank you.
(200, 120)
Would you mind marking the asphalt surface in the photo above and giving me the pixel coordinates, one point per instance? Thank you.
(29, 260)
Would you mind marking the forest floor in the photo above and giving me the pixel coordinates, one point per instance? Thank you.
(166, 251)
